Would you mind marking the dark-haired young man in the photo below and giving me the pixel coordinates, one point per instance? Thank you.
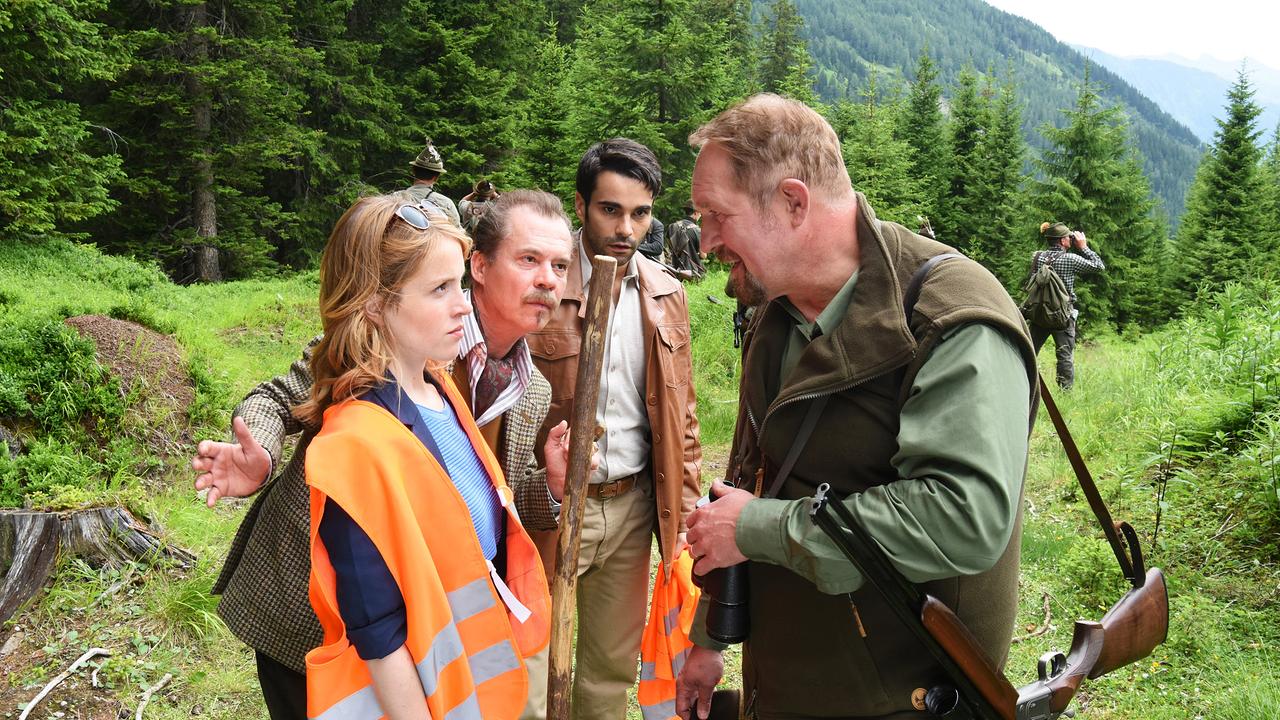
(648, 479)
(519, 264)
(426, 169)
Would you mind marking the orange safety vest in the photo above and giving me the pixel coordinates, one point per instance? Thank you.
(665, 644)
(468, 630)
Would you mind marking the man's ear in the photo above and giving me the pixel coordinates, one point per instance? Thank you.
(479, 266)
(580, 207)
(796, 196)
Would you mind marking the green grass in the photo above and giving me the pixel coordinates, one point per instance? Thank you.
(1182, 425)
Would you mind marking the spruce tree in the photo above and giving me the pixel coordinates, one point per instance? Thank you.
(923, 130)
(544, 158)
(961, 222)
(998, 190)
(208, 109)
(786, 67)
(879, 163)
(353, 112)
(1271, 202)
(56, 167)
(1220, 239)
(456, 66)
(650, 70)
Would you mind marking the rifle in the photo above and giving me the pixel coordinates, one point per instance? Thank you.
(973, 687)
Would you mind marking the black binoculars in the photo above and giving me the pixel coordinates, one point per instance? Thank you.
(727, 620)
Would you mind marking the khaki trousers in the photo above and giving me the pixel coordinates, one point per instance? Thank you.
(613, 594)
(612, 598)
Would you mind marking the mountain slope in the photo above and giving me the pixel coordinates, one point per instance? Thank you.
(851, 39)
(1194, 91)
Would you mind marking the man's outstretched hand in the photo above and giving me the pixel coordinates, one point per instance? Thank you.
(231, 469)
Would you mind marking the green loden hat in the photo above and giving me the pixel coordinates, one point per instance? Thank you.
(429, 159)
(1055, 230)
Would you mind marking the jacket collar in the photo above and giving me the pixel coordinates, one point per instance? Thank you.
(654, 281)
(391, 397)
(873, 337)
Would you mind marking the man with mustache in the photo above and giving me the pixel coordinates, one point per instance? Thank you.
(519, 265)
(648, 479)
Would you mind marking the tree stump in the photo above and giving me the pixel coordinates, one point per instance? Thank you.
(30, 542)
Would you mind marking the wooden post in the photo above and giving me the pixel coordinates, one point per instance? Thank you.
(581, 441)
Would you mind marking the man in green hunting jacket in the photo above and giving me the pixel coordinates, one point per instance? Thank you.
(923, 434)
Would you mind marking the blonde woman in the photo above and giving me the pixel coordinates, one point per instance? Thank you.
(430, 593)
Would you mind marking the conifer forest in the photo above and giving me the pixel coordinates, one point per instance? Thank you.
(176, 166)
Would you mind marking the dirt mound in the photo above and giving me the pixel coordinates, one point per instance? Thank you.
(152, 375)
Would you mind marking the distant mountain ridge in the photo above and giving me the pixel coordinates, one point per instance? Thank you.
(1195, 91)
(851, 39)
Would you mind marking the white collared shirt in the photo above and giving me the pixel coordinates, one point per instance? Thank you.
(475, 351)
(624, 447)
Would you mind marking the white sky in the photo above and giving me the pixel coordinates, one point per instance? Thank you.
(1224, 29)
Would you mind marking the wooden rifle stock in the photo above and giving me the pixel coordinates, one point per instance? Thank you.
(1130, 630)
(1135, 625)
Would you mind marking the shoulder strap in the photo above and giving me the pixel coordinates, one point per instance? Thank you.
(802, 437)
(912, 295)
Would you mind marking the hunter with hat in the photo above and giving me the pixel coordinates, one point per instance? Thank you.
(473, 206)
(427, 168)
(1059, 240)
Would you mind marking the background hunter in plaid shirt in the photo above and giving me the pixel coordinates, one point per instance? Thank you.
(264, 581)
(1068, 265)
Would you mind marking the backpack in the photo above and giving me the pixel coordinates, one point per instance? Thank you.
(1048, 304)
(471, 216)
(680, 236)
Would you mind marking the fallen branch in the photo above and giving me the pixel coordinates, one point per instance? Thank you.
(93, 679)
(1044, 626)
(91, 652)
(146, 696)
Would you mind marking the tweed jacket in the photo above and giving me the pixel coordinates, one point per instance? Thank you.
(264, 581)
(675, 460)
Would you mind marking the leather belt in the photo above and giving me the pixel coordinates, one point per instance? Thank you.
(611, 488)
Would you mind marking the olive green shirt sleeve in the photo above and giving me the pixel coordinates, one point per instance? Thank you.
(962, 450)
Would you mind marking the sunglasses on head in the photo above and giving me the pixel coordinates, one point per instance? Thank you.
(415, 215)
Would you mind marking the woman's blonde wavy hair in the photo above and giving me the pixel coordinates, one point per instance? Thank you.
(371, 253)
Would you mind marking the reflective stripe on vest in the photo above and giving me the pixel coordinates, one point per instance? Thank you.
(665, 645)
(467, 627)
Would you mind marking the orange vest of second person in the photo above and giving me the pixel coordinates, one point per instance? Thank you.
(467, 640)
(665, 644)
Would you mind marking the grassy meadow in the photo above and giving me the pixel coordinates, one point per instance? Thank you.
(1180, 427)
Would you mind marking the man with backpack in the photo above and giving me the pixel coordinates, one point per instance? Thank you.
(1051, 293)
(473, 206)
(684, 242)
(426, 169)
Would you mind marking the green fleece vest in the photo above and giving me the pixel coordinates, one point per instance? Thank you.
(815, 655)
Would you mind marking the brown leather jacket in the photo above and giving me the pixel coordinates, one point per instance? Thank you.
(676, 456)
